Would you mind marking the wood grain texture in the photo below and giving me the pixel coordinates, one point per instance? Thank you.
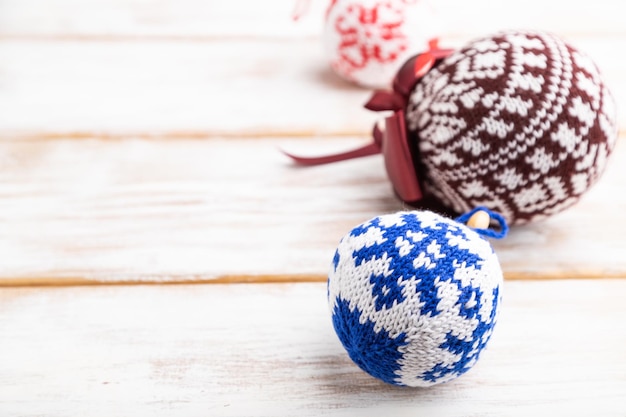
(63, 89)
(139, 144)
(201, 19)
(270, 350)
(139, 210)
(236, 88)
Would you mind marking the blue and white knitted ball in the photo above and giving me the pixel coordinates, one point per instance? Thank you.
(414, 297)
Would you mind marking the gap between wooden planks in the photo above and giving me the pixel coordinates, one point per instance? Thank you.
(273, 279)
(138, 211)
(188, 135)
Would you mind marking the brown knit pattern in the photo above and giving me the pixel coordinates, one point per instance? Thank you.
(519, 122)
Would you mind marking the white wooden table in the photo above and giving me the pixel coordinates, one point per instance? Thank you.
(138, 146)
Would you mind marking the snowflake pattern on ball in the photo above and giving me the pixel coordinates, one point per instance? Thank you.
(519, 122)
(370, 34)
(414, 297)
(366, 41)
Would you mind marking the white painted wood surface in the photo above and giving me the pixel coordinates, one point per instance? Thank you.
(270, 350)
(244, 18)
(194, 210)
(138, 143)
(234, 88)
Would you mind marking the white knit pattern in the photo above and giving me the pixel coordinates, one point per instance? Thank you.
(427, 269)
(510, 155)
(366, 41)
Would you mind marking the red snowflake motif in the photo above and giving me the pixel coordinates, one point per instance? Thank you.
(371, 34)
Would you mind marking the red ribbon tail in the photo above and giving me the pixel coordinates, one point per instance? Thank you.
(399, 160)
(367, 150)
(382, 100)
(301, 8)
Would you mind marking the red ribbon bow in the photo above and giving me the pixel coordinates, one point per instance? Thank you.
(392, 141)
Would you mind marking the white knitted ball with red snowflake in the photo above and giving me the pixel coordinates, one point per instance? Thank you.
(367, 41)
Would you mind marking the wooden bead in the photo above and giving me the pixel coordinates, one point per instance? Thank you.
(479, 220)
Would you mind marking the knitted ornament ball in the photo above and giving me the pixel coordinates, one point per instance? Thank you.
(366, 41)
(414, 296)
(520, 122)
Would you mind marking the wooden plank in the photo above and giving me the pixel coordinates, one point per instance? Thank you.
(174, 89)
(270, 350)
(158, 18)
(182, 89)
(141, 210)
(202, 19)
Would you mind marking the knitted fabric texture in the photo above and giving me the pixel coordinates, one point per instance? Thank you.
(520, 122)
(366, 41)
(414, 297)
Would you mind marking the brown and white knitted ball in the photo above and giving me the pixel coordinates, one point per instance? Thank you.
(519, 122)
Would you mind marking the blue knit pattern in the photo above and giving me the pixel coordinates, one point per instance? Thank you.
(414, 297)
